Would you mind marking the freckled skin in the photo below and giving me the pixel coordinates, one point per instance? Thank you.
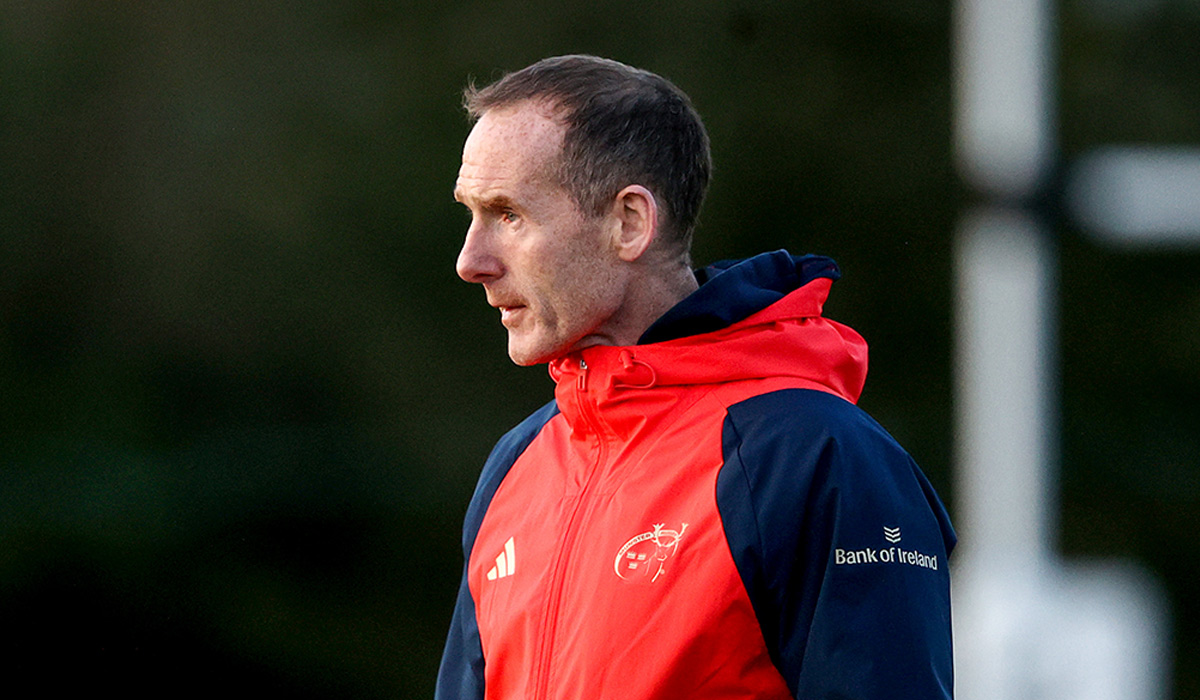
(552, 271)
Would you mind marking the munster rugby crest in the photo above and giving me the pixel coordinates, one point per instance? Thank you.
(644, 557)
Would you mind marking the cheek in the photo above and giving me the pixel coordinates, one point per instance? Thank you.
(574, 280)
(591, 294)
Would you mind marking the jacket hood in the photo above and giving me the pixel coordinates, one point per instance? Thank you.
(751, 319)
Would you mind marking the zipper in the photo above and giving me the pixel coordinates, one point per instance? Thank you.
(571, 536)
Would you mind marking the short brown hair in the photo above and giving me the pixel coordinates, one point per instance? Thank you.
(624, 126)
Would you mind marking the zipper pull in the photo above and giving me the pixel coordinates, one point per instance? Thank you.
(582, 381)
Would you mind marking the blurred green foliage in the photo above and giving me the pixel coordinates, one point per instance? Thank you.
(243, 396)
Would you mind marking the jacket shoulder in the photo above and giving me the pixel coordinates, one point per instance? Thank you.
(506, 451)
(804, 413)
(807, 478)
(795, 451)
(790, 437)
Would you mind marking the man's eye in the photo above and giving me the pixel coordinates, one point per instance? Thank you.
(508, 217)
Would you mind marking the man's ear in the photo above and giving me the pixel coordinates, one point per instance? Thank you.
(636, 213)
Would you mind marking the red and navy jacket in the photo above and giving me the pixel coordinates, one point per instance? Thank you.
(707, 514)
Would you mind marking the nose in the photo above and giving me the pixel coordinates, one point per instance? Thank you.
(477, 262)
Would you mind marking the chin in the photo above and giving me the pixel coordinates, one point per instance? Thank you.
(527, 355)
(522, 361)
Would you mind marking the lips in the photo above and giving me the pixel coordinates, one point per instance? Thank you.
(510, 307)
(510, 314)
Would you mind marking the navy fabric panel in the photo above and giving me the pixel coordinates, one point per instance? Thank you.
(461, 674)
(807, 474)
(503, 455)
(732, 290)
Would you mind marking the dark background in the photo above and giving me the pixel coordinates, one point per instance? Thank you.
(244, 397)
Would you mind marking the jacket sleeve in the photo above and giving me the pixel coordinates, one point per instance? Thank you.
(461, 675)
(842, 545)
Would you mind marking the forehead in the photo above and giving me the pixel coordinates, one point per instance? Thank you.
(508, 146)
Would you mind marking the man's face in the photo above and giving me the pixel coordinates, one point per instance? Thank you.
(551, 271)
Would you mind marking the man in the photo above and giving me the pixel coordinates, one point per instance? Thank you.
(701, 512)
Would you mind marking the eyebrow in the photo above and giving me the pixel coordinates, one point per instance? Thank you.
(490, 203)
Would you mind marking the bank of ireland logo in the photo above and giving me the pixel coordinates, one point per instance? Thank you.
(644, 557)
(886, 555)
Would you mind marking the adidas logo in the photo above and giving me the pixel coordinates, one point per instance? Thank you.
(891, 534)
(506, 563)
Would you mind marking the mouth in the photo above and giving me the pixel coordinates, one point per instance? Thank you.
(510, 314)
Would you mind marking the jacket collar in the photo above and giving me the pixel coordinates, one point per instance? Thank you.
(732, 290)
(749, 320)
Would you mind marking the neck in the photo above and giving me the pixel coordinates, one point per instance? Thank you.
(651, 296)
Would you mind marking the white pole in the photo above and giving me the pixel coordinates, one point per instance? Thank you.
(1004, 146)
(1005, 389)
(1138, 196)
(1025, 626)
(1004, 134)
(1004, 140)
